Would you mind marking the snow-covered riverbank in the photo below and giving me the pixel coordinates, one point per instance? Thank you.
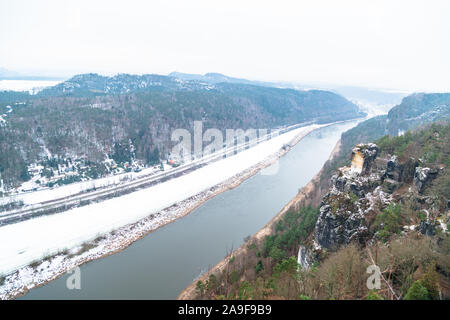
(123, 220)
(32, 86)
(76, 188)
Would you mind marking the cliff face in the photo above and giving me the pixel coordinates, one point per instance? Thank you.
(366, 188)
(345, 206)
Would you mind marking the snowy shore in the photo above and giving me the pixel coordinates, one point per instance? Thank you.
(82, 234)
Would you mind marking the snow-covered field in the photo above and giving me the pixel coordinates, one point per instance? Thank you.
(32, 86)
(35, 197)
(31, 240)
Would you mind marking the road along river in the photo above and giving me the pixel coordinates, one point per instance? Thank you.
(163, 263)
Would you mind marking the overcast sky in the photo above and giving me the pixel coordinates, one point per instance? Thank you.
(385, 44)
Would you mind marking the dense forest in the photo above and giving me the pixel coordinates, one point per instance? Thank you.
(127, 117)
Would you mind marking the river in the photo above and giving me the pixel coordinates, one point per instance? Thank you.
(163, 263)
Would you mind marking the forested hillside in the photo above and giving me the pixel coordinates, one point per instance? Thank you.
(128, 118)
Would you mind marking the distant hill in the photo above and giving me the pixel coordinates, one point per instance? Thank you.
(216, 78)
(378, 98)
(6, 74)
(95, 84)
(414, 110)
(369, 95)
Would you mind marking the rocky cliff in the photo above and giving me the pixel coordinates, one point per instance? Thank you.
(344, 208)
(372, 185)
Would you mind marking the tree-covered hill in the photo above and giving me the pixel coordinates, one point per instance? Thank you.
(92, 117)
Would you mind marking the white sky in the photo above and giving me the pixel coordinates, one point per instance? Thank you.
(386, 44)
